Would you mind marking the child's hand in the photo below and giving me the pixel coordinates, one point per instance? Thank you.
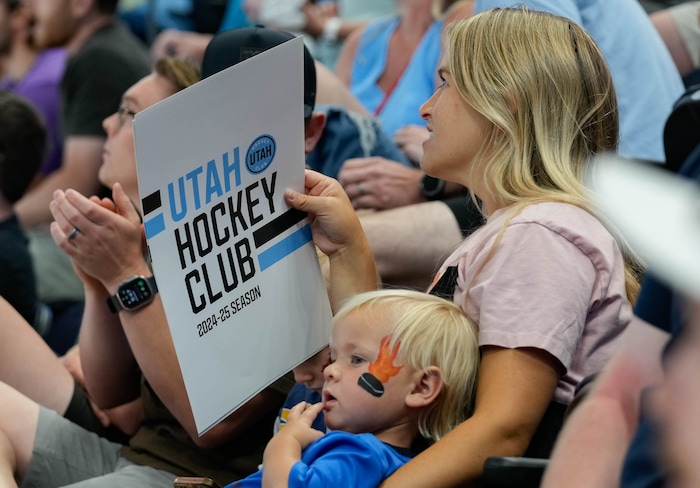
(298, 425)
(284, 450)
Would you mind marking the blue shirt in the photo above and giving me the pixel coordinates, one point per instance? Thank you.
(340, 459)
(350, 135)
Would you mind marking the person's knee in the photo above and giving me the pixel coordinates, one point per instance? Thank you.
(19, 418)
(8, 461)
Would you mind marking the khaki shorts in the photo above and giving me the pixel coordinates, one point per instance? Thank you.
(67, 455)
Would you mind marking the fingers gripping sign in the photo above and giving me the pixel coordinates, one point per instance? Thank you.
(338, 233)
(334, 222)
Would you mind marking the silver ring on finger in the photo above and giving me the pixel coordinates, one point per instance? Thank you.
(361, 189)
(71, 235)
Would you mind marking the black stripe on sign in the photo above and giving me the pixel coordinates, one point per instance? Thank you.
(271, 230)
(151, 202)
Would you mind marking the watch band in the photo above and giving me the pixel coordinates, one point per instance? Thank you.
(431, 188)
(145, 295)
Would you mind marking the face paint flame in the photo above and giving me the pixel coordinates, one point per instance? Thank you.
(383, 368)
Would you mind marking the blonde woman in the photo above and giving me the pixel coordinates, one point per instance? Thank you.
(526, 98)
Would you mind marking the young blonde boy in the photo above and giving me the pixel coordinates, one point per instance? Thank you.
(404, 363)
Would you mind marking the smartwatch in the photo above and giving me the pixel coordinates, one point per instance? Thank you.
(431, 188)
(133, 293)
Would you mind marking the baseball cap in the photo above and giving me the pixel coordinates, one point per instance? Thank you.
(229, 48)
(657, 212)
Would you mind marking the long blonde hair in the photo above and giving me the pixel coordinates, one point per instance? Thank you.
(544, 86)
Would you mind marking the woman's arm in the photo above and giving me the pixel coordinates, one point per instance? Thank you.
(514, 389)
(332, 91)
(346, 58)
(337, 231)
(109, 367)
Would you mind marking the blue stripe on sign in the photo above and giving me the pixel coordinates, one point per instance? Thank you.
(284, 248)
(154, 226)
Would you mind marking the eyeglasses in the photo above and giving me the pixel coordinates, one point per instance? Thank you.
(123, 113)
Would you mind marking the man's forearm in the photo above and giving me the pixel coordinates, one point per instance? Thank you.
(82, 157)
(32, 210)
(592, 448)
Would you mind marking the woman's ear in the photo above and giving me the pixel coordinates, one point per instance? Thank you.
(428, 385)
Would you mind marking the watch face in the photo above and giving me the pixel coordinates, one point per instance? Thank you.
(134, 293)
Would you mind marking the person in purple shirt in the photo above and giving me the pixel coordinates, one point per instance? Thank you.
(32, 73)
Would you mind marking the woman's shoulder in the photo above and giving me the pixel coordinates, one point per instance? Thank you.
(539, 222)
(574, 224)
(558, 217)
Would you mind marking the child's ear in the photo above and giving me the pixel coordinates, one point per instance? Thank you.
(313, 130)
(428, 385)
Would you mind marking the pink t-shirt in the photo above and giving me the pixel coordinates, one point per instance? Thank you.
(554, 282)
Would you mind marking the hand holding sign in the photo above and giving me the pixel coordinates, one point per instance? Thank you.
(334, 222)
(337, 231)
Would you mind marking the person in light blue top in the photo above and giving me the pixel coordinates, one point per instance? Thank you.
(647, 82)
(390, 65)
(416, 83)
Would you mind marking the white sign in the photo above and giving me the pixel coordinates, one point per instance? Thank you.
(235, 266)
